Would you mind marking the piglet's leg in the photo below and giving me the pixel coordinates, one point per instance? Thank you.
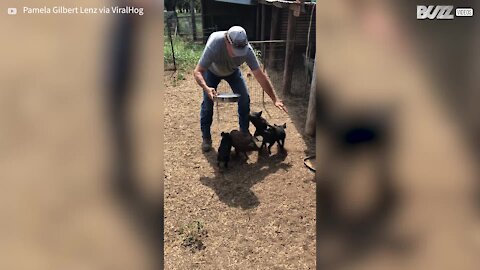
(270, 147)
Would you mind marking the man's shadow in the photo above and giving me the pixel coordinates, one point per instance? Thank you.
(233, 185)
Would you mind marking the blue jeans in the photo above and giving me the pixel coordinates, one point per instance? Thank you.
(238, 85)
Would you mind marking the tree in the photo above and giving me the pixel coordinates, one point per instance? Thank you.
(170, 5)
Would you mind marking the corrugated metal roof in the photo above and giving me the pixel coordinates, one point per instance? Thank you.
(240, 2)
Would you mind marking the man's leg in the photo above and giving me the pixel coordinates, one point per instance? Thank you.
(238, 85)
(206, 111)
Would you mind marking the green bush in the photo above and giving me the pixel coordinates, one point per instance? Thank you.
(187, 53)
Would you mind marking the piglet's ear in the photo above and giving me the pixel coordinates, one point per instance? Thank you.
(260, 113)
(223, 134)
(285, 125)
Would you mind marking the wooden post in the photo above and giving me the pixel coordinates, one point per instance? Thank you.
(273, 35)
(312, 105)
(288, 71)
(262, 33)
(194, 24)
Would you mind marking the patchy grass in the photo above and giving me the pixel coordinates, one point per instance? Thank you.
(187, 53)
(192, 235)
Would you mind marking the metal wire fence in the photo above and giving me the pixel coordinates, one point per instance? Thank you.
(274, 59)
(185, 26)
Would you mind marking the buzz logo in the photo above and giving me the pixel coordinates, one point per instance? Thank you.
(435, 12)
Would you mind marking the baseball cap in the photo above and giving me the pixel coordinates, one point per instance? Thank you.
(237, 36)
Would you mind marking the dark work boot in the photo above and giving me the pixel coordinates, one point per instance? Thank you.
(206, 144)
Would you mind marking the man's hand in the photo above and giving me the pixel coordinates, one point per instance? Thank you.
(279, 104)
(197, 73)
(211, 92)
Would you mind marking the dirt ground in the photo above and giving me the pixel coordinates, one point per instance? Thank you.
(258, 214)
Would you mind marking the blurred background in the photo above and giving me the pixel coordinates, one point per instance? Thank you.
(397, 137)
(81, 138)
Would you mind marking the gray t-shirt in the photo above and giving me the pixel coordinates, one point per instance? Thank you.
(216, 59)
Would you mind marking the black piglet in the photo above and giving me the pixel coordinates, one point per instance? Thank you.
(224, 149)
(259, 122)
(274, 134)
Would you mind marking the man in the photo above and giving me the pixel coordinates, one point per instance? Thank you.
(224, 53)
